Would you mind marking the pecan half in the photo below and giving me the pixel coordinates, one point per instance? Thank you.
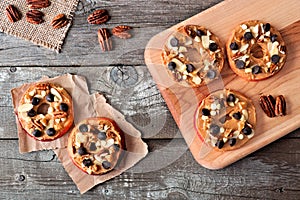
(189, 31)
(43, 86)
(122, 31)
(37, 4)
(59, 21)
(98, 17)
(280, 106)
(37, 124)
(104, 39)
(34, 17)
(268, 106)
(13, 14)
(59, 115)
(273, 68)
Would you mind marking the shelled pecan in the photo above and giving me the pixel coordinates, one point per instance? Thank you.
(43, 86)
(34, 17)
(104, 39)
(37, 124)
(13, 14)
(280, 108)
(59, 114)
(98, 17)
(268, 106)
(273, 107)
(59, 21)
(37, 4)
(122, 31)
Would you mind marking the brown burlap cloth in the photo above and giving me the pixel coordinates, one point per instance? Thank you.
(42, 34)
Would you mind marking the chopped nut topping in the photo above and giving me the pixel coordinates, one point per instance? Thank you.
(259, 42)
(193, 45)
(235, 119)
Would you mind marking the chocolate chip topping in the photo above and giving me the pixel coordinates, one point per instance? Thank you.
(205, 112)
(256, 69)
(237, 115)
(87, 162)
(275, 59)
(230, 98)
(31, 113)
(82, 151)
(273, 38)
(220, 144)
(64, 107)
(83, 128)
(246, 130)
(234, 46)
(101, 135)
(93, 146)
(211, 74)
(213, 47)
(232, 141)
(222, 103)
(51, 131)
(37, 133)
(50, 97)
(172, 66)
(190, 68)
(248, 36)
(240, 64)
(214, 129)
(222, 120)
(174, 42)
(106, 164)
(267, 27)
(35, 101)
(200, 33)
(116, 147)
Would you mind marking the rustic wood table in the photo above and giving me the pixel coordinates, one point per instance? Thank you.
(169, 171)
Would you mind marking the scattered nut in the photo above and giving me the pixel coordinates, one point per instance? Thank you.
(25, 107)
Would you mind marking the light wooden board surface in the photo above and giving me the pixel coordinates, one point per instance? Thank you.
(183, 101)
(270, 173)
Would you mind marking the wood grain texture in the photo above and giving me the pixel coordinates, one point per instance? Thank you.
(135, 96)
(24, 175)
(270, 173)
(285, 82)
(81, 46)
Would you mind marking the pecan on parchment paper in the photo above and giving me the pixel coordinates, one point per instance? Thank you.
(37, 4)
(122, 31)
(104, 39)
(59, 21)
(13, 14)
(98, 17)
(34, 17)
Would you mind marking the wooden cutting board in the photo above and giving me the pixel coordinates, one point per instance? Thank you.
(182, 101)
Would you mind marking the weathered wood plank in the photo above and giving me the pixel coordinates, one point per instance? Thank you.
(139, 100)
(81, 47)
(129, 89)
(270, 173)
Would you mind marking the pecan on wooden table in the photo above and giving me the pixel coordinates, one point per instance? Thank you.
(98, 17)
(122, 31)
(104, 39)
